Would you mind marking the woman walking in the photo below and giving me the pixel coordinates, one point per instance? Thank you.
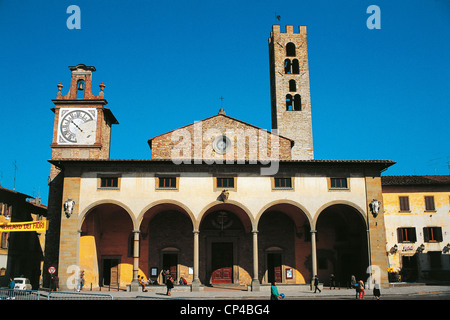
(361, 289)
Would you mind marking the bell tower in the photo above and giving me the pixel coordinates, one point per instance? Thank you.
(82, 127)
(289, 88)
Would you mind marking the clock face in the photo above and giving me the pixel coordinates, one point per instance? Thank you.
(77, 126)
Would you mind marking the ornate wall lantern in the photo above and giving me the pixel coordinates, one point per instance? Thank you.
(394, 249)
(420, 248)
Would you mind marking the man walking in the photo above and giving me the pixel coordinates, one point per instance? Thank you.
(316, 284)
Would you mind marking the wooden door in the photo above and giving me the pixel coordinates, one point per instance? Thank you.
(170, 262)
(222, 262)
(110, 272)
(274, 267)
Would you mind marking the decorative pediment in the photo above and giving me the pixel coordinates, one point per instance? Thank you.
(220, 137)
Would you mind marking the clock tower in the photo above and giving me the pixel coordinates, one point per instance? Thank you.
(82, 127)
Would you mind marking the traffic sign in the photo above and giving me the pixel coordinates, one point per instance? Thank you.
(51, 270)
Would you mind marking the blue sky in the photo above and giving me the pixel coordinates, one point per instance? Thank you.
(375, 94)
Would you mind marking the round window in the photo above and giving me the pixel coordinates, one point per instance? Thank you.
(221, 144)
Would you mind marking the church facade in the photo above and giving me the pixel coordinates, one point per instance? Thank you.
(220, 201)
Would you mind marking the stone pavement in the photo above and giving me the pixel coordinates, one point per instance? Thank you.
(292, 292)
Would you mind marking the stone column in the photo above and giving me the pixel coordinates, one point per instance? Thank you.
(255, 281)
(195, 281)
(313, 252)
(134, 286)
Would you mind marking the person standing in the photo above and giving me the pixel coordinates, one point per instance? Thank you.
(274, 295)
(316, 284)
(332, 281)
(353, 282)
(376, 290)
(169, 284)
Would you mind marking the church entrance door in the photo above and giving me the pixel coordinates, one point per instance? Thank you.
(222, 262)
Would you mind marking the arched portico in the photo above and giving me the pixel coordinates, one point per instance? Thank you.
(342, 246)
(106, 256)
(166, 228)
(283, 240)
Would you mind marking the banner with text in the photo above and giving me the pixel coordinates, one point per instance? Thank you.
(37, 226)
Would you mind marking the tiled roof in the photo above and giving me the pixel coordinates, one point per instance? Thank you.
(415, 180)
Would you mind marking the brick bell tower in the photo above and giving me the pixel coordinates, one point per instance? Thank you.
(289, 84)
(82, 130)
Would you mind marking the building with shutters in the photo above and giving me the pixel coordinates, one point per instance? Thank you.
(417, 210)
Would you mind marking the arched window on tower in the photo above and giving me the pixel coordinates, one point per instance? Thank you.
(290, 49)
(295, 67)
(80, 89)
(287, 66)
(292, 86)
(297, 103)
(288, 102)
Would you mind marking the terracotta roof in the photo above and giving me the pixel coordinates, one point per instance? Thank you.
(386, 163)
(15, 192)
(415, 180)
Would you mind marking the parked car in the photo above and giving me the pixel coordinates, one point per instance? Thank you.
(22, 284)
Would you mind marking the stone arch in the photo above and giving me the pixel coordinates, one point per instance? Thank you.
(93, 205)
(240, 210)
(276, 203)
(338, 202)
(169, 203)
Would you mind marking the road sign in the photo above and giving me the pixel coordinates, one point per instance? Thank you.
(51, 270)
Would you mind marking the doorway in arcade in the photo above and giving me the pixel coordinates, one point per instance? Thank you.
(225, 246)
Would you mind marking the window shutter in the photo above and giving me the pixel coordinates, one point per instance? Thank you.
(438, 234)
(426, 234)
(399, 235)
(413, 235)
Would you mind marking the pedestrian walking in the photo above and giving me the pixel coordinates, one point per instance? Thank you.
(169, 284)
(361, 289)
(12, 285)
(80, 284)
(316, 284)
(376, 290)
(332, 281)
